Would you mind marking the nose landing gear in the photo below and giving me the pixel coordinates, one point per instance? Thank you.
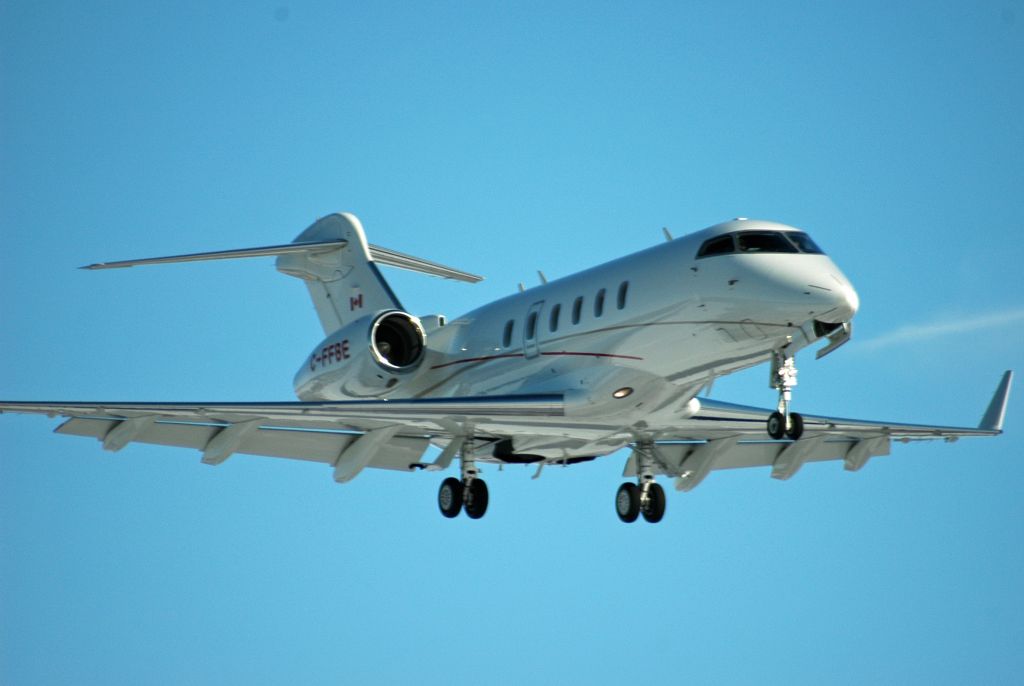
(782, 422)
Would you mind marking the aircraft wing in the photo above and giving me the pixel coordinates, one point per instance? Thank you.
(390, 434)
(727, 436)
(394, 434)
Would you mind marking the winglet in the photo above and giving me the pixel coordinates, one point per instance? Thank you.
(996, 412)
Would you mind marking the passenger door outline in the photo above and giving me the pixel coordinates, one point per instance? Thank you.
(531, 344)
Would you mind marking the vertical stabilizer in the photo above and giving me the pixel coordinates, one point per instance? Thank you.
(344, 283)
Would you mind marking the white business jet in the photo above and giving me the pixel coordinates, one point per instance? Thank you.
(562, 373)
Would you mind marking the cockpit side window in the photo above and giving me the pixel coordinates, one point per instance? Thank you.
(722, 245)
(763, 241)
(804, 243)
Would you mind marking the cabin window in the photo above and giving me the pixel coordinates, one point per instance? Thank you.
(506, 340)
(577, 309)
(553, 322)
(531, 326)
(599, 303)
(623, 290)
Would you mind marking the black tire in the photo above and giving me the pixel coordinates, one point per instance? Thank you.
(776, 425)
(654, 507)
(449, 497)
(627, 502)
(796, 426)
(476, 499)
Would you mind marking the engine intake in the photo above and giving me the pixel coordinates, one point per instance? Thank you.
(397, 341)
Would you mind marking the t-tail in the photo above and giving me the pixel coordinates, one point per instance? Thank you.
(343, 282)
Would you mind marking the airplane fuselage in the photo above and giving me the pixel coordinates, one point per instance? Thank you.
(636, 336)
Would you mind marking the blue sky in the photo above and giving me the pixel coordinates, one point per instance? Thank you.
(503, 138)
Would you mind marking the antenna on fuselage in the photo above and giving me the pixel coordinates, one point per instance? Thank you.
(543, 279)
(668, 235)
(521, 287)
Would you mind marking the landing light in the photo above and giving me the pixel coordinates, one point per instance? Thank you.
(623, 392)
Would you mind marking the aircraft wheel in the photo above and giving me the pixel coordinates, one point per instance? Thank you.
(476, 499)
(449, 497)
(776, 425)
(796, 426)
(654, 505)
(627, 502)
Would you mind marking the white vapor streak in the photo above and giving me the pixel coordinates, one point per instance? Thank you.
(960, 325)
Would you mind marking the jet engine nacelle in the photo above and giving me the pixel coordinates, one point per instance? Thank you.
(370, 357)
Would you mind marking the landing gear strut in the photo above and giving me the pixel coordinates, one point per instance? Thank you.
(469, 494)
(647, 498)
(782, 422)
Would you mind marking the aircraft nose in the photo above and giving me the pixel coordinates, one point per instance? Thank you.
(852, 301)
(840, 299)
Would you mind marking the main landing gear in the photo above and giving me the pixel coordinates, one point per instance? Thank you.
(782, 422)
(646, 498)
(469, 494)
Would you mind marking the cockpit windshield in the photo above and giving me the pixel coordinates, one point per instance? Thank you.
(804, 242)
(760, 242)
(763, 241)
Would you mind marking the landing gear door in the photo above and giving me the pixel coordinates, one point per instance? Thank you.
(531, 327)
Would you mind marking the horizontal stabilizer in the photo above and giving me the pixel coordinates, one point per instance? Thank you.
(392, 258)
(266, 251)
